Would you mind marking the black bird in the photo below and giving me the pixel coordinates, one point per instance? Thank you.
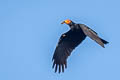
(71, 39)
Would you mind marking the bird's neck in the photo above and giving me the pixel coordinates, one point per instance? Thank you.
(71, 25)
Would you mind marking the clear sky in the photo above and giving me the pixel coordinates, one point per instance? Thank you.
(30, 30)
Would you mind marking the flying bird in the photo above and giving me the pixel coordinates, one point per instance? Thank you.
(70, 40)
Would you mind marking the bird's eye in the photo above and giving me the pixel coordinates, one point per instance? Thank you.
(67, 21)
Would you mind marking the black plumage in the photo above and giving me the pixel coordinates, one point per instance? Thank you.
(70, 40)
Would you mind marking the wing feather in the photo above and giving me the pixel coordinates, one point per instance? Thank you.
(92, 34)
(67, 43)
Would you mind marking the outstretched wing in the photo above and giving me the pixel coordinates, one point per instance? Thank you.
(93, 35)
(68, 41)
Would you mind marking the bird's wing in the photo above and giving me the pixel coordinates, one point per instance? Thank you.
(63, 50)
(92, 34)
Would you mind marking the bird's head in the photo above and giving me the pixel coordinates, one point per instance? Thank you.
(67, 21)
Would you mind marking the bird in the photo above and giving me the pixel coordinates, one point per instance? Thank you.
(70, 40)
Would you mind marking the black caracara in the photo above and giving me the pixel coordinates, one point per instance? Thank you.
(70, 40)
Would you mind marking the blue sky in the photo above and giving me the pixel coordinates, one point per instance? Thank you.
(30, 30)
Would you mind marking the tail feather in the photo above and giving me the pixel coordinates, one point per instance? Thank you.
(105, 42)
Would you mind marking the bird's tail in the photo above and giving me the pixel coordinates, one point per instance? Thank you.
(104, 41)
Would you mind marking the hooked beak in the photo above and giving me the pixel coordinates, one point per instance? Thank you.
(63, 22)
